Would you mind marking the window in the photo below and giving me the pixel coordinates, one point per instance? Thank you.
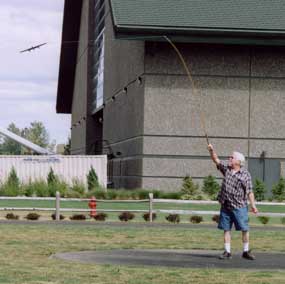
(98, 55)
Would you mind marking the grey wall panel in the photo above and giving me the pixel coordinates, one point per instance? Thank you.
(207, 60)
(124, 61)
(272, 148)
(191, 146)
(79, 103)
(268, 62)
(267, 108)
(178, 167)
(171, 108)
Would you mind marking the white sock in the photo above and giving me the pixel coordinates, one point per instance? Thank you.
(228, 247)
(245, 246)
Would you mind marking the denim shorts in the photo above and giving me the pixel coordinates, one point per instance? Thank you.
(238, 216)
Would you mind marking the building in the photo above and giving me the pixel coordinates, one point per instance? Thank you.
(130, 97)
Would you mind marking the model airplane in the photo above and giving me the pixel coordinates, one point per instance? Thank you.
(33, 47)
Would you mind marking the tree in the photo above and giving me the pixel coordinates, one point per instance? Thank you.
(9, 146)
(36, 133)
(259, 190)
(189, 190)
(210, 186)
(67, 147)
(278, 190)
(92, 179)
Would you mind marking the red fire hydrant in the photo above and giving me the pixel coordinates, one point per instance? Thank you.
(92, 205)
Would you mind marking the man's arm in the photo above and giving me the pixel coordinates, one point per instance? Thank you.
(252, 202)
(213, 155)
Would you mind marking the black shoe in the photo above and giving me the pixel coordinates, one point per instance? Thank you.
(248, 255)
(225, 255)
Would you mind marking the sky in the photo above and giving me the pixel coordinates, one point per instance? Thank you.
(28, 81)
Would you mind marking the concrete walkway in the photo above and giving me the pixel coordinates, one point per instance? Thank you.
(176, 258)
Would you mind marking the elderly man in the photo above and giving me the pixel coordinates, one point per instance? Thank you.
(235, 191)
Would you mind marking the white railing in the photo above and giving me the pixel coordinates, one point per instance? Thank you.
(151, 201)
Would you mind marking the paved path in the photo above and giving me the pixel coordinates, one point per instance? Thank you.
(176, 258)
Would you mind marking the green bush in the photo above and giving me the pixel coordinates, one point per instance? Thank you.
(283, 220)
(61, 217)
(210, 186)
(92, 179)
(126, 216)
(189, 190)
(72, 194)
(12, 216)
(77, 217)
(173, 218)
(78, 186)
(278, 190)
(146, 216)
(196, 219)
(216, 218)
(98, 193)
(33, 216)
(259, 190)
(59, 186)
(51, 178)
(12, 186)
(100, 216)
(263, 219)
(41, 188)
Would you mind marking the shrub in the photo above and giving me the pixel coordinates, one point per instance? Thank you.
(278, 190)
(189, 190)
(100, 216)
(59, 186)
(210, 186)
(33, 216)
(12, 186)
(171, 195)
(173, 218)
(77, 217)
(41, 188)
(72, 194)
(61, 217)
(98, 193)
(196, 219)
(147, 215)
(263, 219)
(52, 178)
(78, 186)
(283, 220)
(12, 216)
(126, 216)
(216, 218)
(259, 190)
(92, 179)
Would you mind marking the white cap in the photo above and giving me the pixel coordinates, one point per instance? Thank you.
(240, 157)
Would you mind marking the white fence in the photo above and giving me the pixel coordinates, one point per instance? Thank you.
(31, 168)
(151, 202)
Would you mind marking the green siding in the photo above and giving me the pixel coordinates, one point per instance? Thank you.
(258, 16)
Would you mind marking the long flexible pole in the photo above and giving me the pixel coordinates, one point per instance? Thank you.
(195, 92)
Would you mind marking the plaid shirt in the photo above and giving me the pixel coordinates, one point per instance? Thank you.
(235, 187)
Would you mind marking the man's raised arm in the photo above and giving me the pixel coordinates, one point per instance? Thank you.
(213, 154)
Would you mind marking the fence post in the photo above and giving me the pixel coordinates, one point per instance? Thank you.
(150, 206)
(57, 206)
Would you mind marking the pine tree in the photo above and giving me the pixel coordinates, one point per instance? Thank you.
(210, 186)
(259, 190)
(92, 179)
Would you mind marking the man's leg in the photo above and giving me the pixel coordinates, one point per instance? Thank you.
(227, 241)
(245, 240)
(246, 253)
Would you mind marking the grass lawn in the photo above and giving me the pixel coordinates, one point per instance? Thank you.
(25, 252)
